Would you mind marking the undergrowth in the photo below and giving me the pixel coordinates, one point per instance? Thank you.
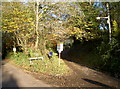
(47, 66)
(98, 55)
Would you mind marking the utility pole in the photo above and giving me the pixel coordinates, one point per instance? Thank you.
(108, 21)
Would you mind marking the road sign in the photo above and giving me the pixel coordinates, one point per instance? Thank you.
(14, 49)
(60, 47)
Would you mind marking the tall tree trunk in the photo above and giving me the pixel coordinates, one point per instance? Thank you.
(37, 19)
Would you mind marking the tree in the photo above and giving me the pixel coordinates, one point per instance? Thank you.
(18, 19)
(115, 20)
(83, 24)
(40, 23)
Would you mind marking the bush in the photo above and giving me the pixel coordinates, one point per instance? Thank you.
(110, 57)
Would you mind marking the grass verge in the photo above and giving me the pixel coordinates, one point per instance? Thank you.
(48, 66)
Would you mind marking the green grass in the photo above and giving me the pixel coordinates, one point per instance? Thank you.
(48, 66)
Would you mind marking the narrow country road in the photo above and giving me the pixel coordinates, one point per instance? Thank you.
(81, 77)
(15, 77)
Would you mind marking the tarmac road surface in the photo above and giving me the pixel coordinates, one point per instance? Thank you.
(15, 77)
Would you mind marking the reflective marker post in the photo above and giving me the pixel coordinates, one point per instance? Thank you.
(59, 49)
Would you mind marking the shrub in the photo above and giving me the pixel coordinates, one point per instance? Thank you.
(110, 57)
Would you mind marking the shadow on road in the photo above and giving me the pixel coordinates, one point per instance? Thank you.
(81, 69)
(97, 83)
(8, 80)
(10, 83)
(67, 55)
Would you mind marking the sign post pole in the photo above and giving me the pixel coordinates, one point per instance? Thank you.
(59, 49)
(59, 59)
